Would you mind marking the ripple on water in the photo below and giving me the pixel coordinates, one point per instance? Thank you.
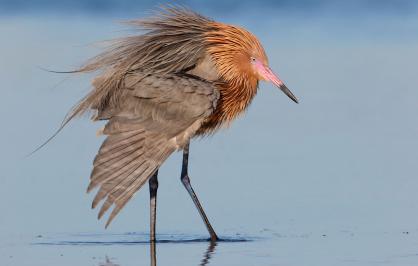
(130, 238)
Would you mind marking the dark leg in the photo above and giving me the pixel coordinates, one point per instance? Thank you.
(186, 182)
(153, 186)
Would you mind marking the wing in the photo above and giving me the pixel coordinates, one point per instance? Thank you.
(156, 115)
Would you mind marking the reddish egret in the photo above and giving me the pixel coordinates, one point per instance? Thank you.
(184, 76)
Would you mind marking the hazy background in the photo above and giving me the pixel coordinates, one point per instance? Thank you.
(331, 181)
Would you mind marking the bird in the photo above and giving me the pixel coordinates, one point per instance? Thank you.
(183, 76)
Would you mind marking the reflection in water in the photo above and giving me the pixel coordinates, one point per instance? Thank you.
(208, 254)
(153, 256)
(205, 260)
(108, 263)
(131, 239)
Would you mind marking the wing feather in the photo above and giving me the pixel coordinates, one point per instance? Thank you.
(157, 115)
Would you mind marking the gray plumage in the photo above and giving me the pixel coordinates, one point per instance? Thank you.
(159, 114)
(173, 41)
(154, 94)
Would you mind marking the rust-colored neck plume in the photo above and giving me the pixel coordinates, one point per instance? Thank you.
(232, 48)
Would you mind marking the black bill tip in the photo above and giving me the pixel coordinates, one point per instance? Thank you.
(288, 93)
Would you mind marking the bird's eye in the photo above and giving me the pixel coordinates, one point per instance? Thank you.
(253, 59)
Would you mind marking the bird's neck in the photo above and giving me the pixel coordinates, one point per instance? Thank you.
(235, 97)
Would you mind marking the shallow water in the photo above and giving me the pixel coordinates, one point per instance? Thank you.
(331, 181)
(336, 248)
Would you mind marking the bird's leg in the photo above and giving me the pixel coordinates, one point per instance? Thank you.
(186, 182)
(153, 186)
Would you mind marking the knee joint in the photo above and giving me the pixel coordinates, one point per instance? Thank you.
(153, 184)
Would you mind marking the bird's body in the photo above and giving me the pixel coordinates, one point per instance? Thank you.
(186, 76)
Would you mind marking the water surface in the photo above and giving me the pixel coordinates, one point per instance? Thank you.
(331, 181)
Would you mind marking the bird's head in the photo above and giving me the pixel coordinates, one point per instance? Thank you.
(241, 58)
